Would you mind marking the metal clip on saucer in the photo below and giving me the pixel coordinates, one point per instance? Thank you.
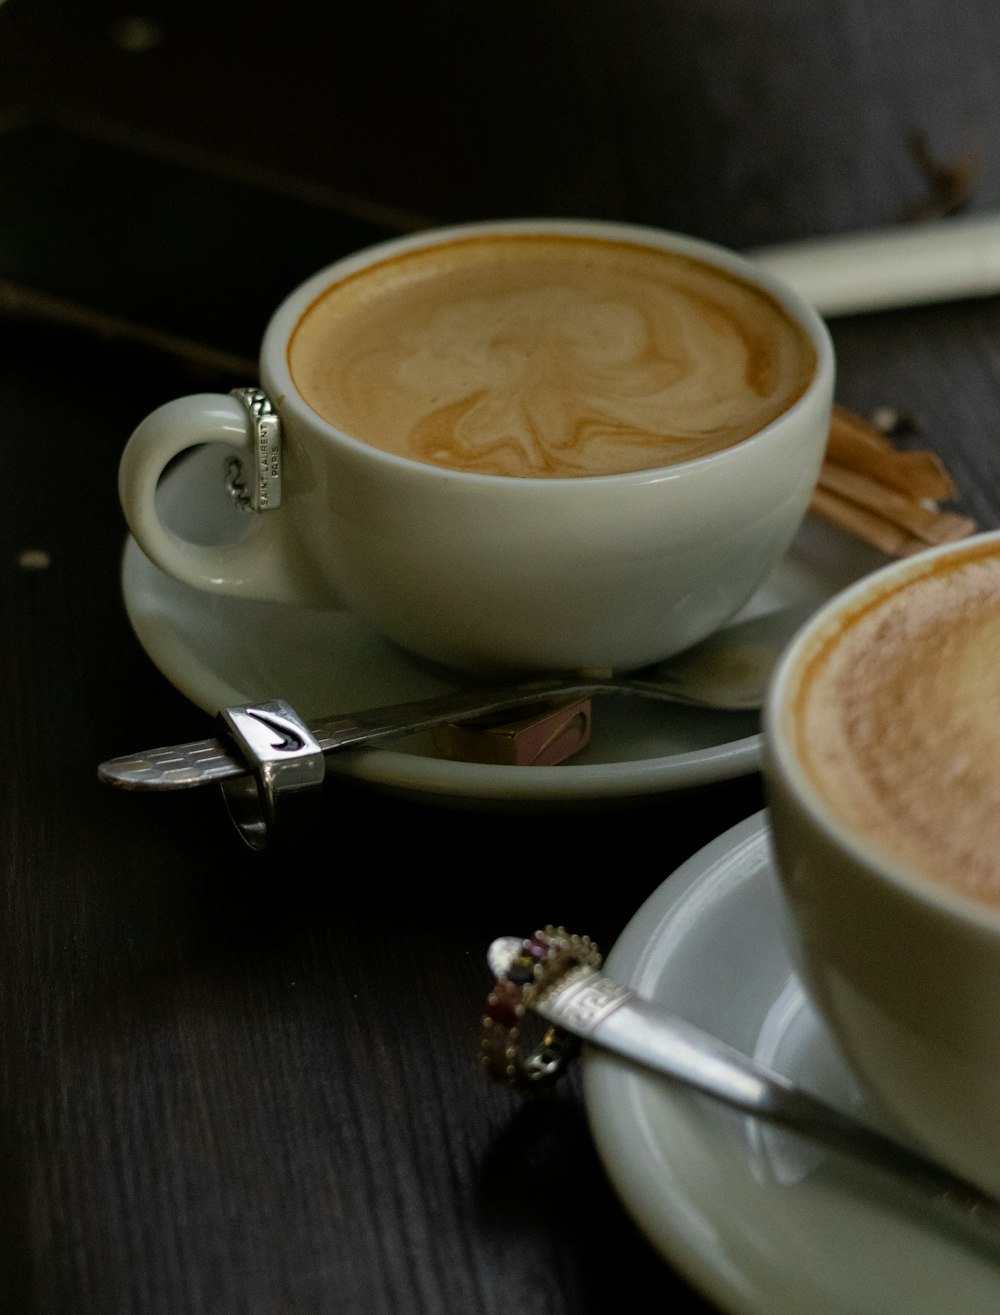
(283, 757)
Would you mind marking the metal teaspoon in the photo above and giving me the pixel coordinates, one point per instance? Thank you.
(586, 1005)
(728, 671)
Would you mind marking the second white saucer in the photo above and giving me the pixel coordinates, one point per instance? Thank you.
(759, 1220)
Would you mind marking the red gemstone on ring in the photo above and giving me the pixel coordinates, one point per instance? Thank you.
(502, 1005)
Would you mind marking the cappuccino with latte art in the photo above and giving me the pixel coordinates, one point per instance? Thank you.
(548, 355)
(515, 445)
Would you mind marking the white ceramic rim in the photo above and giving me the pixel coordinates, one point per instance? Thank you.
(781, 756)
(276, 375)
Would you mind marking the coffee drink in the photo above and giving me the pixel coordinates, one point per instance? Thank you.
(548, 355)
(411, 395)
(896, 719)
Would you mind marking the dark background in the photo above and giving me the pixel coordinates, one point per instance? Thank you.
(248, 1084)
(152, 157)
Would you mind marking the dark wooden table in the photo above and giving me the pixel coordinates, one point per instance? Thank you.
(239, 1083)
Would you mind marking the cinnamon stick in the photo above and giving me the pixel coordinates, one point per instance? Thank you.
(866, 525)
(923, 520)
(886, 497)
(857, 443)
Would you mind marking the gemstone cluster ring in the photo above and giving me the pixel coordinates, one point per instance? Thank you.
(524, 970)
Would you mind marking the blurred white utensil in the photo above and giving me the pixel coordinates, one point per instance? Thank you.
(903, 265)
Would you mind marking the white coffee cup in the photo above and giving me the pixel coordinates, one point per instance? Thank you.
(493, 572)
(880, 844)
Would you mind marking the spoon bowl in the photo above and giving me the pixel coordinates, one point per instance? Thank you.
(729, 670)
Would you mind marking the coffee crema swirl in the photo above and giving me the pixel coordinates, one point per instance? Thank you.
(548, 356)
(897, 723)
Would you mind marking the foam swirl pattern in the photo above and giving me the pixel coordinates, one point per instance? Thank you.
(548, 356)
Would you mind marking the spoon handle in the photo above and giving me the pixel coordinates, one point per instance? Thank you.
(598, 1009)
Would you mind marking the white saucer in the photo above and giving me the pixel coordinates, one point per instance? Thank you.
(221, 651)
(762, 1222)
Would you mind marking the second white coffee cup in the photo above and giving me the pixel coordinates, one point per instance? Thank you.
(881, 760)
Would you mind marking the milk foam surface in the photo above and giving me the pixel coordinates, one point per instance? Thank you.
(548, 355)
(898, 723)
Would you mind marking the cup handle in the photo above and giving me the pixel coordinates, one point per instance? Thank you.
(261, 563)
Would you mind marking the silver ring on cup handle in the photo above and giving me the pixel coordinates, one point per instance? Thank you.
(262, 561)
(262, 490)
